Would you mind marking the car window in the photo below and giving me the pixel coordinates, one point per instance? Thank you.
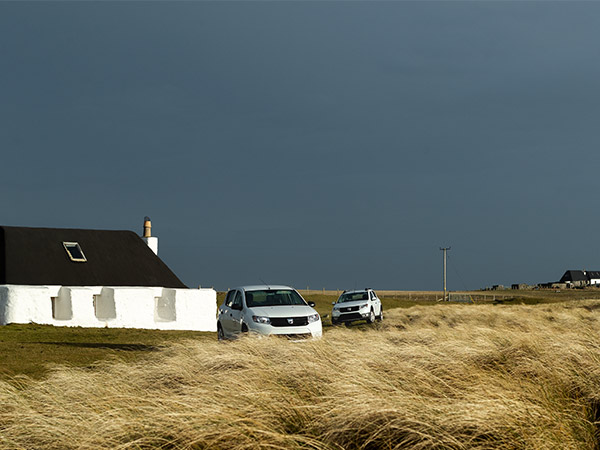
(372, 294)
(237, 300)
(229, 298)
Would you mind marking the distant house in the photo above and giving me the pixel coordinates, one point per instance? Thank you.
(593, 277)
(95, 278)
(581, 278)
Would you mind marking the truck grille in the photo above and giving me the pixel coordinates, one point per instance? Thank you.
(285, 321)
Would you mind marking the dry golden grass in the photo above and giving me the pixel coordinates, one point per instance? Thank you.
(446, 376)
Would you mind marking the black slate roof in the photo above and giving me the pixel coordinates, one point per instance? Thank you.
(36, 256)
(573, 275)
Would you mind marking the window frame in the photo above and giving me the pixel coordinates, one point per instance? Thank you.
(67, 244)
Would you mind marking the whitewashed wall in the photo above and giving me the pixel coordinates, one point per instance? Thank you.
(106, 306)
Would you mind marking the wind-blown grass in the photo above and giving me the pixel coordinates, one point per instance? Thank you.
(448, 376)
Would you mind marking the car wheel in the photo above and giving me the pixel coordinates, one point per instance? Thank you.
(244, 328)
(347, 323)
(334, 322)
(220, 333)
(371, 317)
(380, 316)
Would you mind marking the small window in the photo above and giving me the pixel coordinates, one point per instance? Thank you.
(74, 251)
(229, 299)
(237, 301)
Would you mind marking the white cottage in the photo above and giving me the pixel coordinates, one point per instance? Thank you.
(95, 278)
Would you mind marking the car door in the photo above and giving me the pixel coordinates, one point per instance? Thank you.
(236, 313)
(376, 303)
(226, 316)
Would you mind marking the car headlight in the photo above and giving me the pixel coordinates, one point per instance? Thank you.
(261, 319)
(335, 312)
(313, 318)
(363, 306)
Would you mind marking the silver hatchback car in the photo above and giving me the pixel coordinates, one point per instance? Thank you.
(267, 310)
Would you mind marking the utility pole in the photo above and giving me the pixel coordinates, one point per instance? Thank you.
(444, 250)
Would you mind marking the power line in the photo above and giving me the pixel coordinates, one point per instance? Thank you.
(451, 262)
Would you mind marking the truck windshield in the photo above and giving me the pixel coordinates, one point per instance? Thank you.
(273, 297)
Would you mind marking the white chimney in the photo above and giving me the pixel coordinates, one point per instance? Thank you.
(147, 237)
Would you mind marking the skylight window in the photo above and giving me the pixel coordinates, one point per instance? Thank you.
(74, 251)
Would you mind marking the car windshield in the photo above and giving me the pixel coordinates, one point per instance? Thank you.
(273, 297)
(353, 297)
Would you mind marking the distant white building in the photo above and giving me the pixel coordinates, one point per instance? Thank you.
(593, 277)
(95, 278)
(581, 278)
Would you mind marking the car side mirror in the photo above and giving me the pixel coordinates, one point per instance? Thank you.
(311, 304)
(333, 303)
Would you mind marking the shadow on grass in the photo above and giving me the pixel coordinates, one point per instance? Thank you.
(124, 347)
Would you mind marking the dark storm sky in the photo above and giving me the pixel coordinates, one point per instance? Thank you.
(321, 144)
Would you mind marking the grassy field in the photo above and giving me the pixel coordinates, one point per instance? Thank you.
(31, 350)
(450, 376)
(412, 298)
